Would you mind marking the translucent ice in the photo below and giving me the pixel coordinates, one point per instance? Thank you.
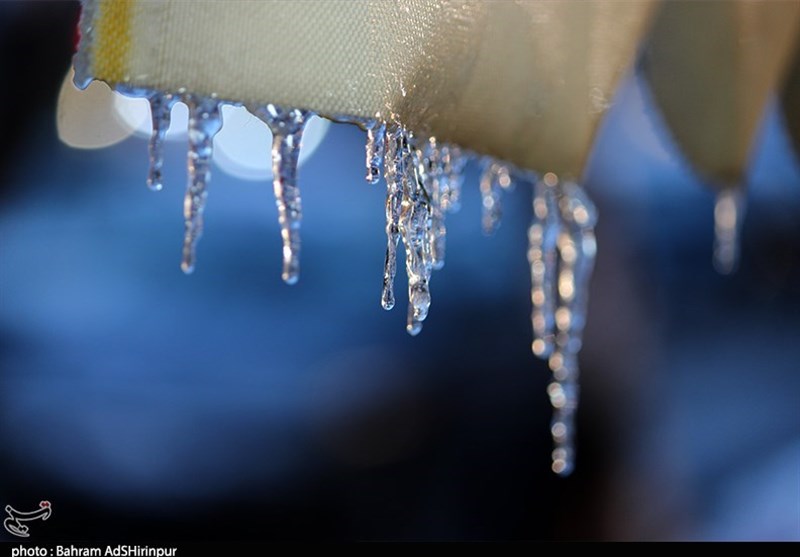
(561, 253)
(495, 178)
(287, 131)
(415, 173)
(423, 183)
(376, 147)
(160, 108)
(204, 123)
(394, 173)
(415, 230)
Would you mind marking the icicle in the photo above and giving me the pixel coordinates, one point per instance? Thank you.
(490, 198)
(543, 238)
(576, 249)
(564, 395)
(160, 107)
(452, 163)
(434, 174)
(495, 178)
(287, 126)
(728, 213)
(376, 146)
(561, 254)
(204, 123)
(394, 173)
(82, 61)
(415, 230)
(408, 217)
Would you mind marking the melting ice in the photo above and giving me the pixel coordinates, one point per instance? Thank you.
(408, 217)
(423, 184)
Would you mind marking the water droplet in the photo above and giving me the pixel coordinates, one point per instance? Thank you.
(287, 126)
(204, 123)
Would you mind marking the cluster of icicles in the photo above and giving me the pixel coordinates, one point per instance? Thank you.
(423, 184)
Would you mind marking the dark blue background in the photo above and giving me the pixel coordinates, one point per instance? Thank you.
(226, 405)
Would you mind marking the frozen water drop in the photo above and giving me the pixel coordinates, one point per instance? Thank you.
(728, 213)
(204, 123)
(287, 126)
(413, 327)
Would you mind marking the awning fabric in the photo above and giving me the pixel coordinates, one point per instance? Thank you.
(526, 81)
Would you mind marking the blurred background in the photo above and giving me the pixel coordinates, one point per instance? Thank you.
(149, 405)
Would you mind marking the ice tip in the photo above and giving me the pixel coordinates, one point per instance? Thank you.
(387, 296)
(81, 81)
(187, 268)
(414, 328)
(290, 278)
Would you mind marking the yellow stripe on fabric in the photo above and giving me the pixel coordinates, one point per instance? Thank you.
(113, 40)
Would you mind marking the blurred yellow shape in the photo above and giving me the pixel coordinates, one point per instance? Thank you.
(711, 66)
(524, 80)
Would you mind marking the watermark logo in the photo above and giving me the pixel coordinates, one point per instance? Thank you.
(14, 522)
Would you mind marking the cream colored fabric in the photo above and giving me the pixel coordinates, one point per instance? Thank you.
(543, 75)
(790, 99)
(711, 66)
(524, 80)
